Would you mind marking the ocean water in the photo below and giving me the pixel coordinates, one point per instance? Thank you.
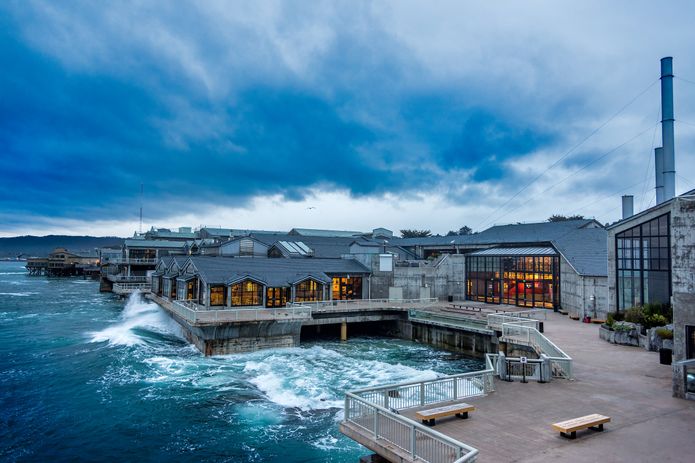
(85, 376)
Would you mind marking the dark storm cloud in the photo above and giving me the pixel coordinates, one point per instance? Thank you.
(215, 103)
(78, 144)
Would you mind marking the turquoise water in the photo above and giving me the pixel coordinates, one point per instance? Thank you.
(88, 377)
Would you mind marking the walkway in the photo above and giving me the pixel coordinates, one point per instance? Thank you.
(625, 383)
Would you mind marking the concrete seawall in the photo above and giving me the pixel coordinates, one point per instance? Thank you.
(220, 338)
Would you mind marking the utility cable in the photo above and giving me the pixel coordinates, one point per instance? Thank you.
(568, 153)
(649, 162)
(593, 161)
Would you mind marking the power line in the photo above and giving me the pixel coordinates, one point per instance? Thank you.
(683, 122)
(649, 161)
(603, 198)
(685, 80)
(593, 161)
(570, 151)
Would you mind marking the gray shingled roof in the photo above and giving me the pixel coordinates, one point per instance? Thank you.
(527, 251)
(273, 272)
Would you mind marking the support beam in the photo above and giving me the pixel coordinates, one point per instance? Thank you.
(343, 331)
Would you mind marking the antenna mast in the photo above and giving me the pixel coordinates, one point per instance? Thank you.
(141, 191)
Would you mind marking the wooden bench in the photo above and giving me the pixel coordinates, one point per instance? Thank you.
(428, 416)
(569, 428)
(464, 307)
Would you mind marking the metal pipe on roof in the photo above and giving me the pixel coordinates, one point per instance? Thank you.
(628, 206)
(667, 136)
(659, 174)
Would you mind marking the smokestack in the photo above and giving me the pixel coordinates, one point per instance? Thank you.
(628, 206)
(659, 174)
(669, 161)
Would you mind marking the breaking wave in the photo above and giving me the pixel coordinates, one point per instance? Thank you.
(138, 319)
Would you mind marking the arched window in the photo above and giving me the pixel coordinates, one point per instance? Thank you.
(247, 293)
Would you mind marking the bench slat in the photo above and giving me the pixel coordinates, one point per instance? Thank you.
(447, 410)
(582, 422)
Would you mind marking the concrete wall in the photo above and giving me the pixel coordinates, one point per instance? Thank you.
(444, 277)
(683, 245)
(457, 340)
(683, 315)
(576, 292)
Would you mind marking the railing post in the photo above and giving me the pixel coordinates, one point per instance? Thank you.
(376, 423)
(422, 393)
(386, 398)
(347, 408)
(456, 382)
(413, 440)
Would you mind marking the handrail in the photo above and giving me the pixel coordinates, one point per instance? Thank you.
(534, 338)
(375, 410)
(359, 304)
(195, 313)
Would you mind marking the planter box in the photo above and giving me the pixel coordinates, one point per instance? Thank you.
(624, 338)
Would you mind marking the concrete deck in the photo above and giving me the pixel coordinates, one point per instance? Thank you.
(626, 383)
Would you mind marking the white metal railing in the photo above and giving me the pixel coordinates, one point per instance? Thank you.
(118, 278)
(375, 410)
(131, 260)
(525, 317)
(195, 313)
(446, 319)
(530, 336)
(362, 304)
(122, 288)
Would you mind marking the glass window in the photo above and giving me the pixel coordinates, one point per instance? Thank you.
(247, 293)
(276, 297)
(347, 288)
(643, 264)
(307, 291)
(218, 295)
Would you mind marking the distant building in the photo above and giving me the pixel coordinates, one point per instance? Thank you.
(62, 262)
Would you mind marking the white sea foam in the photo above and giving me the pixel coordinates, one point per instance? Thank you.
(136, 314)
(315, 378)
(18, 294)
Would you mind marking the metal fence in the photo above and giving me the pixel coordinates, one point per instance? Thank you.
(127, 288)
(375, 410)
(445, 319)
(560, 361)
(524, 317)
(130, 260)
(362, 304)
(195, 313)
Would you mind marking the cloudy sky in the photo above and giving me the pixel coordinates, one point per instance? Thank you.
(335, 114)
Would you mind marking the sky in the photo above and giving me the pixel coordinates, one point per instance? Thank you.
(342, 115)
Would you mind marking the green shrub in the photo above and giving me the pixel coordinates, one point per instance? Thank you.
(664, 333)
(635, 315)
(622, 326)
(610, 319)
(654, 320)
(664, 310)
(619, 316)
(607, 326)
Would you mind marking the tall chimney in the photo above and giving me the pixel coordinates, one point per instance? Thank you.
(669, 161)
(628, 206)
(659, 174)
